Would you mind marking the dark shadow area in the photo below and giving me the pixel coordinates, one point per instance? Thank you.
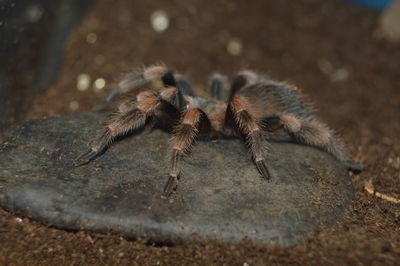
(33, 36)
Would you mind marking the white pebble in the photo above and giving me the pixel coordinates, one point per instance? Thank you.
(340, 74)
(83, 82)
(91, 38)
(234, 47)
(18, 220)
(159, 20)
(99, 84)
(74, 105)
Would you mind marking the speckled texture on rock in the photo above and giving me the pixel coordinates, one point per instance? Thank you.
(221, 196)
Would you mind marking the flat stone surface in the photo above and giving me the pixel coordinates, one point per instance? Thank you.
(220, 196)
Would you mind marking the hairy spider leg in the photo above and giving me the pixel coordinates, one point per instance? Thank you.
(251, 127)
(131, 117)
(183, 137)
(217, 84)
(296, 118)
(136, 79)
(241, 79)
(184, 85)
(317, 134)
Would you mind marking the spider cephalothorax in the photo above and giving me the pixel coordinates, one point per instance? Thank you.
(254, 106)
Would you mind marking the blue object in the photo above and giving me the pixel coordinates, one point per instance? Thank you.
(376, 4)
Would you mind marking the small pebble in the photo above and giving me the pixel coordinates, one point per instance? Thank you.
(340, 74)
(74, 105)
(99, 84)
(18, 220)
(159, 20)
(234, 47)
(83, 82)
(91, 38)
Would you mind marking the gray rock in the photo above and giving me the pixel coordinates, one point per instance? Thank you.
(220, 196)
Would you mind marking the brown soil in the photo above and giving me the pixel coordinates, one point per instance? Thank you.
(325, 47)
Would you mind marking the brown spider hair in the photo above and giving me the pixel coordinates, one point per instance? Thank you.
(253, 106)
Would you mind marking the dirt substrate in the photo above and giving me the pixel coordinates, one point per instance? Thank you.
(327, 48)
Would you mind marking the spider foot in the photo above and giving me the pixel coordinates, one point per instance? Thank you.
(170, 186)
(262, 168)
(86, 157)
(354, 167)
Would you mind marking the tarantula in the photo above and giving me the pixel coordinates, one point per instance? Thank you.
(254, 106)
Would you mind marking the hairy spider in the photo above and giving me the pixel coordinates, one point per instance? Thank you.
(254, 106)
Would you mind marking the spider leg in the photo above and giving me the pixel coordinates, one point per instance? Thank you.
(244, 78)
(319, 135)
(184, 85)
(241, 80)
(184, 136)
(217, 84)
(121, 123)
(134, 80)
(272, 123)
(251, 127)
